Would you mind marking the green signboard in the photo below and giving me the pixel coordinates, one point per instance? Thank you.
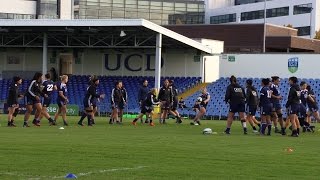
(72, 110)
(231, 58)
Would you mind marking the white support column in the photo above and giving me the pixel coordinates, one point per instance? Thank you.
(157, 74)
(45, 54)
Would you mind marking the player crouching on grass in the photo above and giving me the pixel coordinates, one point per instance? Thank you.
(90, 94)
(201, 105)
(236, 97)
(147, 107)
(265, 106)
(293, 105)
(12, 101)
(252, 100)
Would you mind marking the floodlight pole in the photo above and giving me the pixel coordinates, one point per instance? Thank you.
(45, 53)
(264, 26)
(157, 75)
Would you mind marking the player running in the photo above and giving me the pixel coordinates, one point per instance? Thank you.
(87, 101)
(166, 99)
(174, 108)
(293, 104)
(62, 99)
(252, 100)
(276, 115)
(201, 106)
(48, 88)
(12, 101)
(33, 95)
(147, 107)
(236, 97)
(265, 106)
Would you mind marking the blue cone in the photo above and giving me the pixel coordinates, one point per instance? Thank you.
(71, 176)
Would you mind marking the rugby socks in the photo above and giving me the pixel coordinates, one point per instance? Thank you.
(65, 123)
(244, 125)
(298, 131)
(84, 115)
(263, 128)
(269, 129)
(9, 123)
(254, 128)
(227, 131)
(135, 120)
(89, 116)
(283, 131)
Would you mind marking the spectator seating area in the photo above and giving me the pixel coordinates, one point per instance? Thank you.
(77, 86)
(217, 108)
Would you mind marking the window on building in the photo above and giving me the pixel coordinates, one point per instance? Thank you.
(223, 18)
(245, 16)
(276, 12)
(302, 9)
(303, 31)
(240, 2)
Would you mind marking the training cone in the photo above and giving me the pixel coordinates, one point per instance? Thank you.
(61, 128)
(71, 176)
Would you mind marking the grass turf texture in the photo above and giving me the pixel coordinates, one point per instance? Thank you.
(162, 152)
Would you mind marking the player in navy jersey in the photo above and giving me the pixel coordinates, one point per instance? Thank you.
(12, 101)
(201, 106)
(166, 99)
(236, 97)
(174, 108)
(313, 108)
(62, 99)
(293, 105)
(118, 101)
(305, 97)
(265, 106)
(48, 88)
(33, 95)
(147, 107)
(276, 98)
(87, 101)
(252, 101)
(142, 94)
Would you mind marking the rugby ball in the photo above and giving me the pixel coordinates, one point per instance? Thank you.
(199, 99)
(207, 131)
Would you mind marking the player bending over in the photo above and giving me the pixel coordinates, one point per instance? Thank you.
(201, 105)
(147, 107)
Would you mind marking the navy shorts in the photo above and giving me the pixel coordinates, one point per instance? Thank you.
(146, 109)
(302, 111)
(46, 101)
(61, 102)
(252, 110)
(276, 107)
(314, 108)
(31, 100)
(94, 102)
(234, 108)
(86, 103)
(118, 105)
(166, 105)
(266, 109)
(294, 109)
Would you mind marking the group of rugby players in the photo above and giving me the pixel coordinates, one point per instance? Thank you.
(37, 97)
(268, 100)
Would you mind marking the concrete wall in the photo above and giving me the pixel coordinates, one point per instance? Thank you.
(262, 66)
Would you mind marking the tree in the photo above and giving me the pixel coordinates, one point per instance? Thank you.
(289, 26)
(317, 36)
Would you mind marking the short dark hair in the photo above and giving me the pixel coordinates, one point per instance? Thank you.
(48, 76)
(16, 78)
(233, 79)
(274, 78)
(249, 82)
(37, 75)
(265, 81)
(303, 83)
(118, 82)
(309, 88)
(293, 79)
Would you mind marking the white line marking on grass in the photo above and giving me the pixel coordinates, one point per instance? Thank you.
(29, 177)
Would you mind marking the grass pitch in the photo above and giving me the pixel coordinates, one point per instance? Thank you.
(162, 152)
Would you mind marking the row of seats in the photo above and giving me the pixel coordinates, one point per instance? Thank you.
(77, 86)
(218, 108)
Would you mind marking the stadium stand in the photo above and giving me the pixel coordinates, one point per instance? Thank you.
(77, 86)
(218, 109)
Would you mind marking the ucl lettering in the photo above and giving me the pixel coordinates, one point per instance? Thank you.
(129, 66)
